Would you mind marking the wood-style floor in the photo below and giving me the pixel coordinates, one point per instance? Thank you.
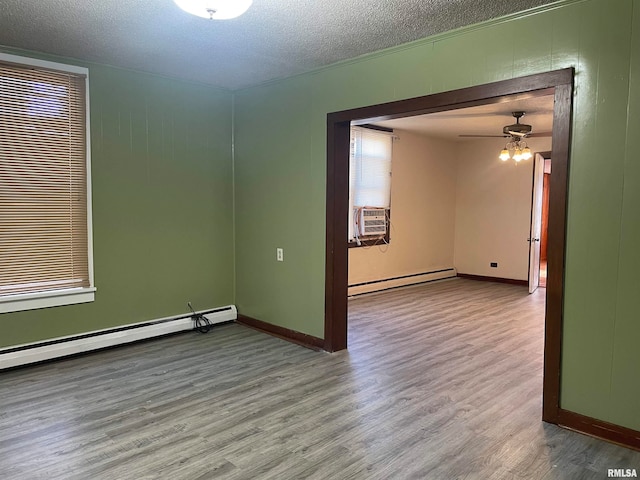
(441, 381)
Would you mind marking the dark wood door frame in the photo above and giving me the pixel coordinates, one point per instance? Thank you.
(558, 83)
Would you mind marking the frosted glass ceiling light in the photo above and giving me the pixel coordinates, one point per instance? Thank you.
(504, 155)
(215, 9)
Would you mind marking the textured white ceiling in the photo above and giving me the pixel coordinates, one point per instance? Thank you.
(274, 39)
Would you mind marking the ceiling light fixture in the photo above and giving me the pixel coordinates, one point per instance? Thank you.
(517, 149)
(215, 9)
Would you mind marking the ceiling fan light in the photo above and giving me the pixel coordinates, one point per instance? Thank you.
(526, 153)
(504, 155)
(215, 9)
(517, 155)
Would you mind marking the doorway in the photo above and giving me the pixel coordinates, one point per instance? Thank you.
(558, 83)
(539, 222)
(538, 233)
(545, 219)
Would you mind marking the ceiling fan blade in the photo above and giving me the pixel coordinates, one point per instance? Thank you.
(484, 136)
(530, 135)
(463, 114)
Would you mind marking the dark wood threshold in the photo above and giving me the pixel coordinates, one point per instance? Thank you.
(609, 432)
(482, 278)
(309, 341)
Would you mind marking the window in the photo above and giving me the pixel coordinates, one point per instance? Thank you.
(45, 215)
(369, 186)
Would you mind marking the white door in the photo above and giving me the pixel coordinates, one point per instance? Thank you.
(536, 223)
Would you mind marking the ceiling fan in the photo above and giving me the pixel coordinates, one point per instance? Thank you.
(516, 131)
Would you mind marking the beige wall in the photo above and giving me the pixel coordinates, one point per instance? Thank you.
(493, 209)
(454, 205)
(423, 196)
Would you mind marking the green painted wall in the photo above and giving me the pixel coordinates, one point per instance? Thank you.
(162, 205)
(625, 361)
(280, 178)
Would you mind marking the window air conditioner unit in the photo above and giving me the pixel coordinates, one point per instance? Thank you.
(372, 221)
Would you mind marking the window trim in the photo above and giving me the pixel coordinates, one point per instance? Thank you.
(69, 296)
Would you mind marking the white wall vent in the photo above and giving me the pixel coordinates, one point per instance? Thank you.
(372, 221)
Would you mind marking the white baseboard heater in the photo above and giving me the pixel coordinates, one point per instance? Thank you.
(84, 342)
(403, 281)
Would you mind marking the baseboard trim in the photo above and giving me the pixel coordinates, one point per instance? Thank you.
(309, 341)
(483, 278)
(37, 352)
(592, 427)
(401, 281)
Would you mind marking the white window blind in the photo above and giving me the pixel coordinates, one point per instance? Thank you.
(44, 242)
(369, 171)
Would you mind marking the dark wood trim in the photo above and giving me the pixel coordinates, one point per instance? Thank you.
(309, 341)
(560, 84)
(484, 278)
(531, 85)
(556, 242)
(597, 428)
(336, 255)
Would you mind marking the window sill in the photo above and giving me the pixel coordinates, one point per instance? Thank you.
(369, 242)
(52, 298)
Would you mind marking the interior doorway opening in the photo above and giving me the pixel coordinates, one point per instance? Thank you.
(560, 85)
(457, 208)
(544, 219)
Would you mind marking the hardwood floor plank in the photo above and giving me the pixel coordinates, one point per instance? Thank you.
(440, 381)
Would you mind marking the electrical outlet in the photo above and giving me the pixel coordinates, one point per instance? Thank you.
(280, 254)
(494, 264)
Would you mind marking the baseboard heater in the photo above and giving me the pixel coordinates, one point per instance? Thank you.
(84, 342)
(402, 281)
